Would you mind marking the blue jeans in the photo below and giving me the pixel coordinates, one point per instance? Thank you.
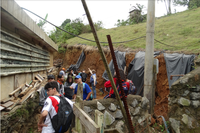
(94, 90)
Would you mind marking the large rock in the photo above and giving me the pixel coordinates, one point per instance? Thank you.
(118, 114)
(112, 107)
(175, 125)
(186, 92)
(195, 104)
(140, 120)
(136, 111)
(87, 109)
(185, 118)
(108, 119)
(100, 106)
(195, 96)
(184, 102)
(134, 103)
(189, 121)
(144, 103)
(119, 125)
(196, 88)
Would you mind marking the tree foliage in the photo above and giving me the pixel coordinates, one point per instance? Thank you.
(41, 23)
(189, 3)
(75, 27)
(137, 18)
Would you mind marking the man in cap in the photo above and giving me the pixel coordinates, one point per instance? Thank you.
(86, 89)
(62, 72)
(43, 92)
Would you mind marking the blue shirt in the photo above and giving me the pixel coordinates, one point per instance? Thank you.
(86, 90)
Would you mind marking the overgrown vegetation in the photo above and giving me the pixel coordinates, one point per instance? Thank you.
(75, 27)
(41, 23)
(136, 16)
(191, 4)
(180, 30)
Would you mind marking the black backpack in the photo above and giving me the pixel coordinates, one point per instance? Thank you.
(62, 120)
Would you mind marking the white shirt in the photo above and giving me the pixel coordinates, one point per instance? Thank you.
(50, 105)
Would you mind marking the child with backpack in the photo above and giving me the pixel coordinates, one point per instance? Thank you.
(125, 85)
(57, 111)
(87, 93)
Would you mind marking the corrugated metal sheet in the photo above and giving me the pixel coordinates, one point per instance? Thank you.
(19, 56)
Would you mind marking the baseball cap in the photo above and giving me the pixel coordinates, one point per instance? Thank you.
(51, 76)
(78, 77)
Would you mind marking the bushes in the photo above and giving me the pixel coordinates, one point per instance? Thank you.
(75, 27)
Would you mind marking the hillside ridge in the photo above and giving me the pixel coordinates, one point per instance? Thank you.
(181, 31)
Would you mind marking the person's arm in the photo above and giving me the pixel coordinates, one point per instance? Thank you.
(45, 110)
(88, 96)
(94, 77)
(75, 91)
(90, 71)
(41, 120)
(88, 90)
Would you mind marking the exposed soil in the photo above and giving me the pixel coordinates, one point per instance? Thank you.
(162, 89)
(93, 61)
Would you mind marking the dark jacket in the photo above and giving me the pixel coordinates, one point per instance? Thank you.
(68, 91)
(84, 76)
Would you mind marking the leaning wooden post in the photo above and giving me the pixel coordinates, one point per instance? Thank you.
(99, 120)
(104, 60)
(79, 101)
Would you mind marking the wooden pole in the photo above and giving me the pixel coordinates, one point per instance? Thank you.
(148, 69)
(104, 60)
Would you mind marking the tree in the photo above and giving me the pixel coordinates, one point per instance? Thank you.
(167, 6)
(42, 23)
(136, 18)
(189, 3)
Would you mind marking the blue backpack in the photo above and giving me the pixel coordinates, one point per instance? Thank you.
(132, 89)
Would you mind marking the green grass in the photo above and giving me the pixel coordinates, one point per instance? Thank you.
(181, 30)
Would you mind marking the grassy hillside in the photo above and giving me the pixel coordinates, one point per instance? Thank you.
(181, 30)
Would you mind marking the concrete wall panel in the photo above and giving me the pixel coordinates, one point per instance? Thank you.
(20, 79)
(7, 86)
(28, 77)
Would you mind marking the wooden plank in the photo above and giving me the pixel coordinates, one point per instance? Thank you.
(25, 91)
(18, 89)
(85, 120)
(8, 104)
(99, 120)
(25, 97)
(6, 99)
(38, 78)
(11, 107)
(2, 108)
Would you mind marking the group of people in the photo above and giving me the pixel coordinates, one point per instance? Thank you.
(66, 87)
(127, 85)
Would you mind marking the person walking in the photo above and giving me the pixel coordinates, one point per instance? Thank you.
(68, 89)
(43, 93)
(93, 82)
(84, 76)
(86, 89)
(50, 108)
(60, 80)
